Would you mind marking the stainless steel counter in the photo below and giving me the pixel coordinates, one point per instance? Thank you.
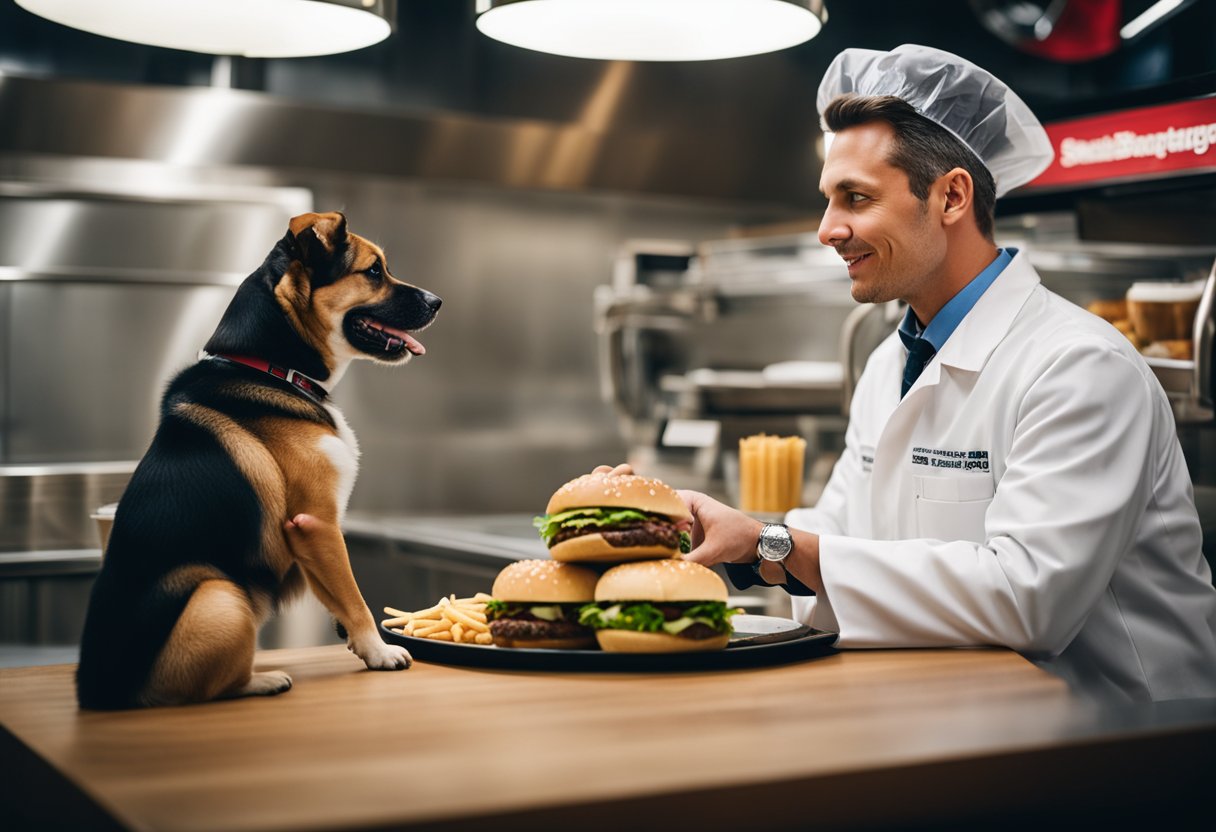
(505, 536)
(50, 563)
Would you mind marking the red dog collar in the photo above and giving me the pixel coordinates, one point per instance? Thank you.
(310, 387)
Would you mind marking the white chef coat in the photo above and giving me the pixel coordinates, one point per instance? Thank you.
(1029, 491)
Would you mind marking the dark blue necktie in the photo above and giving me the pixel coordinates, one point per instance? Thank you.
(919, 354)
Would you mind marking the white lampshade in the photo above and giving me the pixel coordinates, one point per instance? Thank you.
(249, 28)
(652, 30)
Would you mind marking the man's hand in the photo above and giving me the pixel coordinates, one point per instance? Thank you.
(720, 534)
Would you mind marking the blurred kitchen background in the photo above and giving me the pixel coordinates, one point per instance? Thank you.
(626, 253)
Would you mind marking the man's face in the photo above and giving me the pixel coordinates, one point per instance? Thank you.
(891, 240)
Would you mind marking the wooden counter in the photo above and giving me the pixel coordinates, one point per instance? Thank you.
(862, 737)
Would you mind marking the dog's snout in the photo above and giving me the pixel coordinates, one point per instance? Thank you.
(432, 301)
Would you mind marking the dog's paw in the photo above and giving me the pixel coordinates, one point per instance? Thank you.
(381, 656)
(270, 683)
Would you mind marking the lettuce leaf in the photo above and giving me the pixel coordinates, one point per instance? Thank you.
(578, 518)
(592, 616)
(496, 609)
(644, 617)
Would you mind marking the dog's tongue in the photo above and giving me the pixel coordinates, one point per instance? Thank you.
(411, 343)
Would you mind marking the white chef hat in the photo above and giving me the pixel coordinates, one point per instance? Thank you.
(970, 102)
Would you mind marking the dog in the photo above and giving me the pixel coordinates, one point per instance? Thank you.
(248, 453)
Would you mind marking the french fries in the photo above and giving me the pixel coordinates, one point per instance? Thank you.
(458, 620)
(770, 472)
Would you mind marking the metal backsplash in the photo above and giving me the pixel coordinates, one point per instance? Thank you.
(108, 294)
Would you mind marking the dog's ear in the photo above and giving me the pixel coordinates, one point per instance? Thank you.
(318, 237)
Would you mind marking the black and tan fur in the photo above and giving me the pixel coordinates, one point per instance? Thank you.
(199, 554)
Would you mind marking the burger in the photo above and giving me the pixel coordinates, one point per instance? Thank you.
(659, 606)
(536, 604)
(601, 517)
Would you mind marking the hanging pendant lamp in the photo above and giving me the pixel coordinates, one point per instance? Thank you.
(248, 28)
(652, 30)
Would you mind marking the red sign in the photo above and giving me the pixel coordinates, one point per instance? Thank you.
(1148, 143)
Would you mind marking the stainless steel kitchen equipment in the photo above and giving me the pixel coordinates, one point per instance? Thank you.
(701, 345)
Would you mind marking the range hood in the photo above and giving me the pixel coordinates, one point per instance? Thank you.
(205, 127)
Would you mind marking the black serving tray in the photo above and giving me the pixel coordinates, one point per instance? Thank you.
(745, 650)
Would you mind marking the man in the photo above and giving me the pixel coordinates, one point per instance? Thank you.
(1011, 474)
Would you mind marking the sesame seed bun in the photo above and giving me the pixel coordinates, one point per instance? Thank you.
(622, 491)
(544, 581)
(660, 581)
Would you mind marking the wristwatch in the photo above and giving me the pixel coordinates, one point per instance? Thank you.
(775, 544)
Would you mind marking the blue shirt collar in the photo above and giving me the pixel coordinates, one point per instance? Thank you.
(951, 315)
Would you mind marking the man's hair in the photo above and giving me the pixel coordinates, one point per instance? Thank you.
(923, 149)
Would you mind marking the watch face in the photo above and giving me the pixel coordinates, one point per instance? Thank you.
(775, 543)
